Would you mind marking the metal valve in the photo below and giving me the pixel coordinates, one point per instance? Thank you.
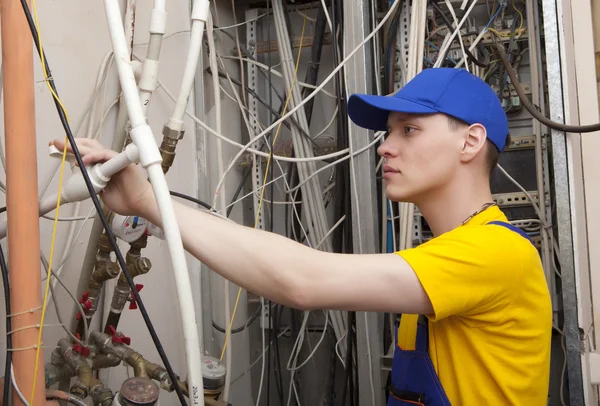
(133, 305)
(118, 337)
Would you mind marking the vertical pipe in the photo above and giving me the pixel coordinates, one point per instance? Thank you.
(22, 203)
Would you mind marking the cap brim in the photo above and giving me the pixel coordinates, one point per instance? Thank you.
(372, 111)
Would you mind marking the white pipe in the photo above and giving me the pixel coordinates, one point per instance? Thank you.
(200, 13)
(149, 77)
(222, 192)
(142, 137)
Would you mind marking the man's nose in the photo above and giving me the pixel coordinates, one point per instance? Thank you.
(385, 149)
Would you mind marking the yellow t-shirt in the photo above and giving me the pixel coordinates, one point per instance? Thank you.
(489, 336)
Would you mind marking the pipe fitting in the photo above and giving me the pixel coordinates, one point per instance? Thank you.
(167, 151)
(102, 396)
(86, 380)
(141, 367)
(102, 361)
(172, 133)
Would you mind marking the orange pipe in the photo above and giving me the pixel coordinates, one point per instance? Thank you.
(22, 203)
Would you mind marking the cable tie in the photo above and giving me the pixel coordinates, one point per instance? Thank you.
(33, 326)
(48, 79)
(33, 347)
(35, 309)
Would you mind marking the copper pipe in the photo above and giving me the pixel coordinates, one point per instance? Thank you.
(22, 199)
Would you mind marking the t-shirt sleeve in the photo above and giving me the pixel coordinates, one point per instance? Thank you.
(468, 271)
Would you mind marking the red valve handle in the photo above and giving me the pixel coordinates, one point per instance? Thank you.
(119, 338)
(133, 305)
(81, 349)
(85, 303)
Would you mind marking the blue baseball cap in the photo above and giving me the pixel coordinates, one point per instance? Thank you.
(454, 92)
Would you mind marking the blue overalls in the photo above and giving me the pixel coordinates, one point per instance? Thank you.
(414, 380)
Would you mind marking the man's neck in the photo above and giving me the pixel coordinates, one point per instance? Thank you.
(451, 208)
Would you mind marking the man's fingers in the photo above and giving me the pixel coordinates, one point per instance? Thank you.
(96, 156)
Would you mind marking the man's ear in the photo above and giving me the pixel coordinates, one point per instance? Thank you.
(474, 142)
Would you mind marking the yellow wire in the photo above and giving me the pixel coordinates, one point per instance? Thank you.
(43, 60)
(262, 192)
(520, 15)
(55, 225)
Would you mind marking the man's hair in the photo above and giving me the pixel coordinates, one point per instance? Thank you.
(491, 154)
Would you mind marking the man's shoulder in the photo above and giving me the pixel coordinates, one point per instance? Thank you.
(488, 237)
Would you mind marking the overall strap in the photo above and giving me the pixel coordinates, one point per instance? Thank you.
(512, 228)
(422, 342)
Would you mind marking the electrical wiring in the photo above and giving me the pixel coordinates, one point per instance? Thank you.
(47, 288)
(54, 230)
(96, 201)
(16, 386)
(447, 43)
(265, 180)
(247, 147)
(192, 199)
(534, 111)
(264, 67)
(296, 368)
(239, 329)
(7, 312)
(46, 264)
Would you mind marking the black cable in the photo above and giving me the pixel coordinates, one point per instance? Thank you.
(270, 170)
(8, 362)
(191, 199)
(348, 385)
(103, 219)
(239, 329)
(531, 108)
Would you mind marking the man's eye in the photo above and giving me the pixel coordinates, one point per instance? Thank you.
(408, 130)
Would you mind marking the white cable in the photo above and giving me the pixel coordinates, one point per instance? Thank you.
(329, 124)
(460, 39)
(246, 147)
(262, 373)
(327, 16)
(278, 74)
(142, 137)
(222, 194)
(72, 219)
(360, 151)
(295, 368)
(331, 75)
(444, 49)
(16, 386)
(240, 24)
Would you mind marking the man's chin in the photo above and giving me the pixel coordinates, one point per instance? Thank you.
(397, 195)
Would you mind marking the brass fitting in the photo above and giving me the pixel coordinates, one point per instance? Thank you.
(104, 269)
(101, 361)
(137, 265)
(172, 134)
(167, 153)
(141, 367)
(86, 383)
(168, 146)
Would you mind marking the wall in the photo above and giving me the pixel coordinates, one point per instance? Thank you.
(75, 39)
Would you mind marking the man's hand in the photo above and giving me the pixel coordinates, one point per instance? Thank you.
(128, 192)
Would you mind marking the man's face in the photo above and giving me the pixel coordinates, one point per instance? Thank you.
(422, 153)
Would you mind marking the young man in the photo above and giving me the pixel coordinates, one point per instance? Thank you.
(479, 281)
